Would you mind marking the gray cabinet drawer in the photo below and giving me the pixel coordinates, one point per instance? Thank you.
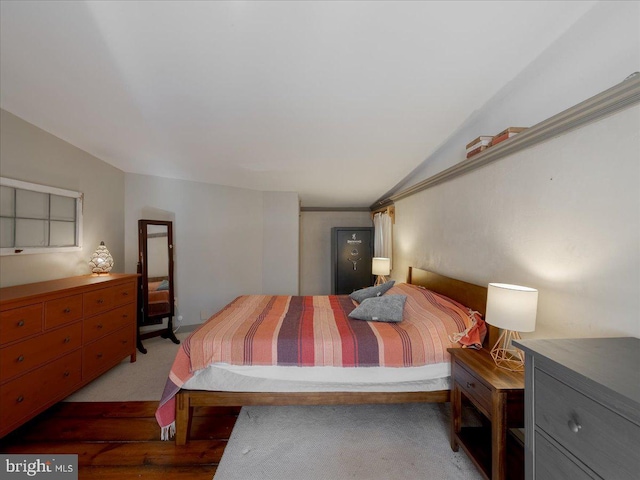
(601, 439)
(552, 464)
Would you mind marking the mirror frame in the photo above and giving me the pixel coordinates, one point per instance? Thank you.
(144, 318)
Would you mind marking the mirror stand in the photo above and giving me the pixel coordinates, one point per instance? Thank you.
(156, 300)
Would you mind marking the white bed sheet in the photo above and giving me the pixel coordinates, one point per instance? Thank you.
(234, 378)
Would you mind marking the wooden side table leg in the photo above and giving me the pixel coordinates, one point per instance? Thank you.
(456, 414)
(499, 436)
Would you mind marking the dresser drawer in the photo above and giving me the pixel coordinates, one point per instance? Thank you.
(552, 464)
(62, 310)
(22, 357)
(603, 440)
(105, 323)
(473, 388)
(123, 294)
(20, 323)
(19, 398)
(98, 301)
(107, 352)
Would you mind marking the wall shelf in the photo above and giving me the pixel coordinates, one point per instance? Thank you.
(612, 100)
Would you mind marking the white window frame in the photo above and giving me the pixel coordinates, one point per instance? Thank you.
(34, 187)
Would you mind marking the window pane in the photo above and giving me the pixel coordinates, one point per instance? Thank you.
(63, 234)
(6, 201)
(63, 208)
(32, 204)
(6, 232)
(31, 233)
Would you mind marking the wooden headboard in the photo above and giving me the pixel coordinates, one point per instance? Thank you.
(468, 294)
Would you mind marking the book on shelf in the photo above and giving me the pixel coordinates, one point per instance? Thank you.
(506, 134)
(477, 150)
(482, 140)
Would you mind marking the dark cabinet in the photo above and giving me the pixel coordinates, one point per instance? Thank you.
(351, 257)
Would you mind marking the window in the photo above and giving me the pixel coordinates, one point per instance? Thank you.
(38, 219)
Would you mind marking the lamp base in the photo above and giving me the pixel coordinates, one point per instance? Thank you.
(380, 280)
(505, 355)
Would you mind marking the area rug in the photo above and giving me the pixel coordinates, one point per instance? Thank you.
(406, 441)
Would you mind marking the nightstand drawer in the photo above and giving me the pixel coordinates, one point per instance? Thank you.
(603, 440)
(473, 388)
(552, 464)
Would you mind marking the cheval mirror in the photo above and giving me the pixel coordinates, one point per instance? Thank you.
(156, 289)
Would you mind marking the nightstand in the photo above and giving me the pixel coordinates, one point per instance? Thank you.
(498, 395)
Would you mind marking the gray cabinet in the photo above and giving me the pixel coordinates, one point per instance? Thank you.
(582, 408)
(351, 258)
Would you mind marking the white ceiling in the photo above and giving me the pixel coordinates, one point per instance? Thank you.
(338, 101)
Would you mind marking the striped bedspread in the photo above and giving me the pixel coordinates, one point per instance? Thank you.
(316, 331)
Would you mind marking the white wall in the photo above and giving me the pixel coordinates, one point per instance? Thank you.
(315, 246)
(281, 253)
(563, 216)
(30, 154)
(219, 238)
(598, 52)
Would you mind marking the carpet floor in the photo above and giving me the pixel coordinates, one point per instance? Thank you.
(407, 441)
(142, 380)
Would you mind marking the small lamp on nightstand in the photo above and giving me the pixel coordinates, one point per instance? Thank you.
(381, 267)
(513, 309)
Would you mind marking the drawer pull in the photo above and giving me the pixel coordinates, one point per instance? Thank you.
(125, 294)
(99, 355)
(66, 374)
(100, 301)
(20, 358)
(66, 340)
(471, 385)
(66, 310)
(20, 399)
(574, 426)
(125, 316)
(21, 323)
(99, 326)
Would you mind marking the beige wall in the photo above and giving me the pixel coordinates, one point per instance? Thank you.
(315, 246)
(222, 236)
(562, 217)
(30, 154)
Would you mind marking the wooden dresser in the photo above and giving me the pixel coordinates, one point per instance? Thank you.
(57, 336)
(582, 408)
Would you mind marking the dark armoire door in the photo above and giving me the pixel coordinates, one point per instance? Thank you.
(351, 257)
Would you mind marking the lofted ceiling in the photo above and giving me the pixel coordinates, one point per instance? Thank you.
(337, 101)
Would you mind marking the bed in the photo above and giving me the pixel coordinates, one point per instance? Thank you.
(159, 303)
(390, 367)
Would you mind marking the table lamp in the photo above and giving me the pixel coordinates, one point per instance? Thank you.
(513, 309)
(381, 267)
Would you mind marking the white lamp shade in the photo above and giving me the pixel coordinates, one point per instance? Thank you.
(380, 266)
(512, 307)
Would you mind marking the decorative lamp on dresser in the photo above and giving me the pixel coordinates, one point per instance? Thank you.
(57, 336)
(582, 408)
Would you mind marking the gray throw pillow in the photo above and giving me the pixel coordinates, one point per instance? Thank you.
(380, 309)
(369, 292)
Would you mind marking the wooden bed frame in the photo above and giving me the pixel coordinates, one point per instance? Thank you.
(468, 294)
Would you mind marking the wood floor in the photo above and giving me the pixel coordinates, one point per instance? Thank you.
(121, 440)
